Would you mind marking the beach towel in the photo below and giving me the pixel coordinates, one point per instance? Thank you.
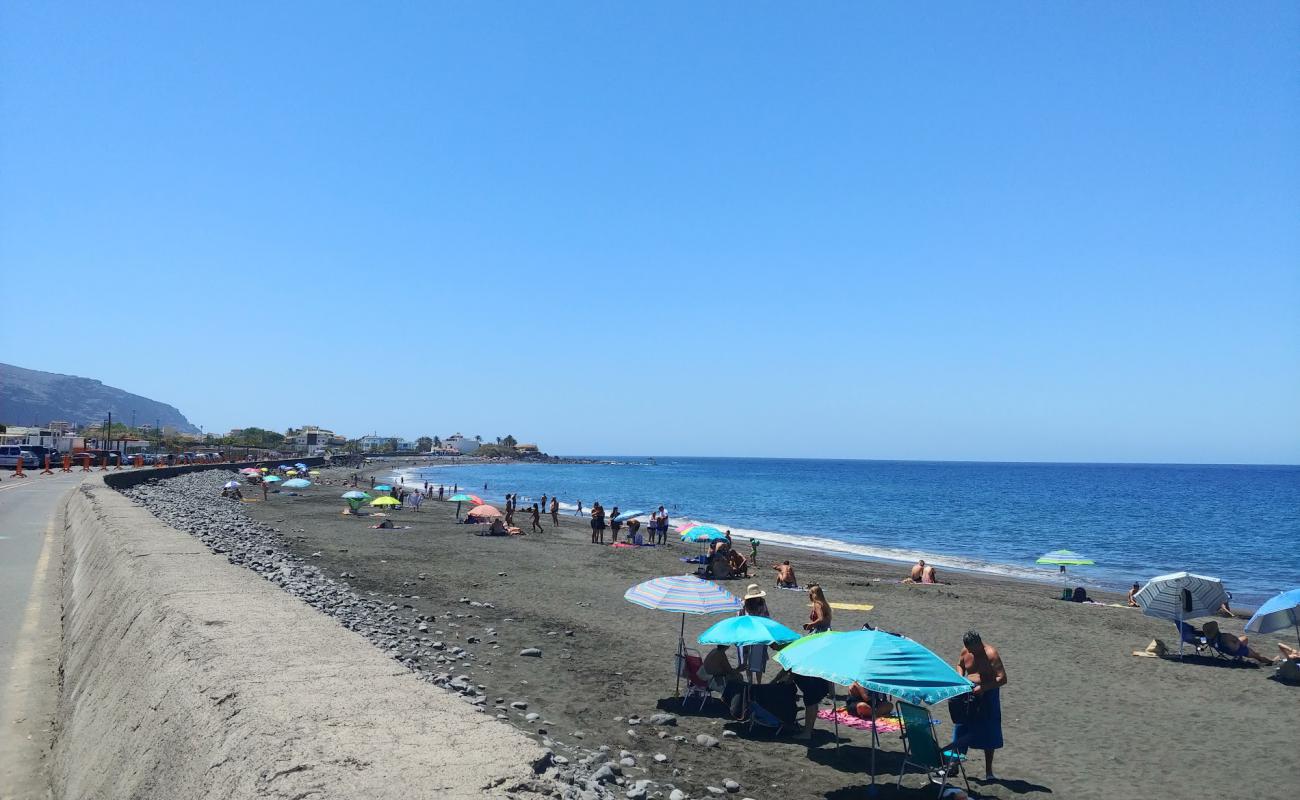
(793, 588)
(623, 544)
(853, 606)
(888, 724)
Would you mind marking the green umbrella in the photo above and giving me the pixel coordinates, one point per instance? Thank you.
(1063, 559)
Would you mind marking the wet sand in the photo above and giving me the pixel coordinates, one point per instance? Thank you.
(1082, 717)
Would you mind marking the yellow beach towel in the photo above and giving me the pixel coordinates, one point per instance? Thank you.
(853, 606)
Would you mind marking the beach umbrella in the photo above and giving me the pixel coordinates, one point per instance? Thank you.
(702, 533)
(231, 485)
(297, 483)
(1281, 612)
(383, 487)
(250, 471)
(1180, 596)
(385, 501)
(355, 495)
(682, 594)
(283, 466)
(627, 515)
(291, 472)
(484, 511)
(465, 498)
(747, 630)
(300, 465)
(272, 479)
(1063, 559)
(313, 472)
(879, 661)
(263, 469)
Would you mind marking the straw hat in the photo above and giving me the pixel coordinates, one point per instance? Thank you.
(1156, 649)
(752, 592)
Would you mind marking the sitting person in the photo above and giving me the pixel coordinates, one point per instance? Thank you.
(914, 576)
(717, 670)
(1132, 596)
(1238, 646)
(1080, 595)
(866, 704)
(737, 563)
(928, 575)
(717, 566)
(785, 575)
(386, 524)
(1289, 653)
(498, 528)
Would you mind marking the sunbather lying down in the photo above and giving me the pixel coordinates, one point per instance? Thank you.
(1238, 646)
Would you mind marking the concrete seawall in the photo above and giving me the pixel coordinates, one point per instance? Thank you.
(185, 676)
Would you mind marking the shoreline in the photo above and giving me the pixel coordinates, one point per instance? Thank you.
(822, 545)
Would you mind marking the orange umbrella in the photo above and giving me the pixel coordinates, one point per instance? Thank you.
(484, 511)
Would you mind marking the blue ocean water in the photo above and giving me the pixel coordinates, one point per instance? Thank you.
(1241, 523)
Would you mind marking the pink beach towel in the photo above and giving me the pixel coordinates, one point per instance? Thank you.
(888, 724)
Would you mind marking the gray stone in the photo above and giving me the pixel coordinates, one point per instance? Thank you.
(663, 719)
(705, 740)
(677, 794)
(531, 652)
(660, 758)
(731, 785)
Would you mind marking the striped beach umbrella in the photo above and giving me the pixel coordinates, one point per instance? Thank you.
(701, 533)
(1181, 596)
(1063, 559)
(683, 594)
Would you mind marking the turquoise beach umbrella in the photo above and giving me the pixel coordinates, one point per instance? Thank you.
(355, 495)
(297, 483)
(383, 487)
(702, 533)
(272, 479)
(627, 515)
(748, 630)
(879, 661)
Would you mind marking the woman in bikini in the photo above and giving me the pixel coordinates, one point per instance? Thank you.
(819, 619)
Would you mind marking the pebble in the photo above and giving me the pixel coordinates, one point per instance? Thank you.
(731, 786)
(660, 758)
(531, 652)
(705, 740)
(677, 794)
(663, 719)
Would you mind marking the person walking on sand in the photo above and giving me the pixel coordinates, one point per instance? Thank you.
(578, 513)
(537, 519)
(264, 490)
(982, 730)
(555, 511)
(819, 619)
(614, 525)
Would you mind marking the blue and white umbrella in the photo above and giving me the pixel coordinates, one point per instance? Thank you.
(1281, 612)
(683, 594)
(627, 515)
(1181, 596)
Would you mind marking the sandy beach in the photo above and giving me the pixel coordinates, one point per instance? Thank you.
(1083, 718)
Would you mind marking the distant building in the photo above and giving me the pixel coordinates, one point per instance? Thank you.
(404, 446)
(61, 426)
(374, 444)
(460, 444)
(527, 448)
(312, 440)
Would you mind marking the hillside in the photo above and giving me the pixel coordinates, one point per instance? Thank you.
(29, 396)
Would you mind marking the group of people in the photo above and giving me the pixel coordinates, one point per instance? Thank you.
(656, 530)
(980, 728)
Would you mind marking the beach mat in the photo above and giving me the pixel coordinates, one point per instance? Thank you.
(887, 724)
(853, 606)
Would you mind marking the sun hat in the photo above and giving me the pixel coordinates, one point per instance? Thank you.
(1157, 649)
(752, 592)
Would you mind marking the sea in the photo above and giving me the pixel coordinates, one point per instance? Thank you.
(1136, 521)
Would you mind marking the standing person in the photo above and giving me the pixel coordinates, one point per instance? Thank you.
(597, 523)
(982, 665)
(510, 514)
(578, 513)
(372, 481)
(264, 490)
(819, 619)
(543, 501)
(663, 526)
(614, 525)
(753, 657)
(555, 511)
(536, 519)
(440, 491)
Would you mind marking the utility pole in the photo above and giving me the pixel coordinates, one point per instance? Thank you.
(108, 432)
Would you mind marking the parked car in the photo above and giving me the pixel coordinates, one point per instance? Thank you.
(9, 455)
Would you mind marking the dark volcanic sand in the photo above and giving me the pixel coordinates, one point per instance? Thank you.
(1082, 717)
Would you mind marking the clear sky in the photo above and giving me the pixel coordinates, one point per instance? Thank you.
(1018, 231)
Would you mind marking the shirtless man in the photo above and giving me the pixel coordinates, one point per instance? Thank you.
(1132, 596)
(785, 575)
(982, 665)
(917, 569)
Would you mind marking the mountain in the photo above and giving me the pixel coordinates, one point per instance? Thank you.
(29, 396)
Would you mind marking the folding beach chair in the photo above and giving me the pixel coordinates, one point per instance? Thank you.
(688, 668)
(1189, 635)
(921, 749)
(773, 706)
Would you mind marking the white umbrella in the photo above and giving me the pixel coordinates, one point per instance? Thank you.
(1180, 596)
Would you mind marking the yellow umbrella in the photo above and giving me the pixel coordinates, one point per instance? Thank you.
(291, 472)
(313, 472)
(385, 501)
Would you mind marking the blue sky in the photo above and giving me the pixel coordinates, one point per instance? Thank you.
(1013, 232)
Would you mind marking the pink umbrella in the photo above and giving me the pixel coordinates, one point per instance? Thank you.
(484, 511)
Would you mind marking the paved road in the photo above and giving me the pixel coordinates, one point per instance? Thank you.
(30, 567)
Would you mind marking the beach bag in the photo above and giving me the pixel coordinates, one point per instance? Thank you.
(965, 708)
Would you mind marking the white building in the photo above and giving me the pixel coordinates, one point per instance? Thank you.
(460, 443)
(313, 440)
